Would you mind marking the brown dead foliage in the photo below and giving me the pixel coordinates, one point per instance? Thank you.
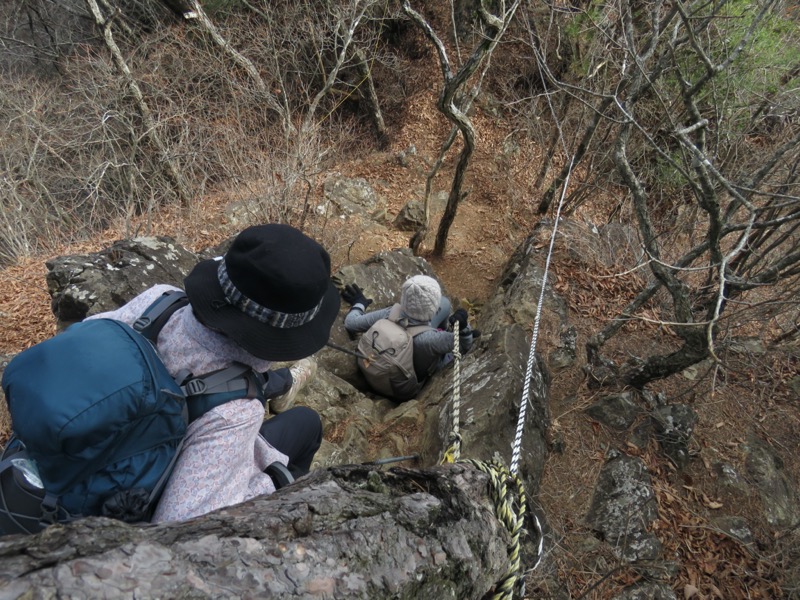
(494, 218)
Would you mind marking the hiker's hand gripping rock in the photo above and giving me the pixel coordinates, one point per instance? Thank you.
(461, 316)
(352, 294)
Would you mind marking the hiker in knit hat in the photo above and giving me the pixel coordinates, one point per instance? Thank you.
(425, 313)
(269, 298)
(421, 297)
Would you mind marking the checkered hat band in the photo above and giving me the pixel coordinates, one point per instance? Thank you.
(253, 309)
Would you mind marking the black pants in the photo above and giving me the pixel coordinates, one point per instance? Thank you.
(298, 434)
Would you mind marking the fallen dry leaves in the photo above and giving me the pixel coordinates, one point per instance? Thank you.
(714, 566)
(600, 291)
(495, 217)
(25, 315)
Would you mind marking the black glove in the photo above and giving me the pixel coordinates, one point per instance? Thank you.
(352, 294)
(461, 316)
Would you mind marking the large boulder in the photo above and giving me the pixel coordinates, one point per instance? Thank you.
(84, 285)
(350, 196)
(347, 533)
(359, 425)
(623, 508)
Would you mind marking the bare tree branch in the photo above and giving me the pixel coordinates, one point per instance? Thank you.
(448, 99)
(172, 169)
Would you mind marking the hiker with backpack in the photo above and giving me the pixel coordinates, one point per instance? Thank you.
(401, 346)
(269, 298)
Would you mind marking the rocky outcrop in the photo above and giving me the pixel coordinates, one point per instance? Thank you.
(623, 508)
(346, 532)
(766, 469)
(361, 427)
(492, 375)
(84, 285)
(350, 196)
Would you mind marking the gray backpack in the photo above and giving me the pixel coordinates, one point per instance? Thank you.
(388, 350)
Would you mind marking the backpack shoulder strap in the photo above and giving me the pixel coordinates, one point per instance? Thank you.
(207, 391)
(218, 387)
(158, 313)
(413, 330)
(230, 379)
(417, 329)
(394, 314)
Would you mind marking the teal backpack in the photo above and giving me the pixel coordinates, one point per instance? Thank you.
(98, 421)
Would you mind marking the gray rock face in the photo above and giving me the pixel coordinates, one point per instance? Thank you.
(411, 216)
(623, 508)
(351, 196)
(84, 285)
(492, 379)
(565, 353)
(735, 527)
(347, 533)
(766, 471)
(674, 426)
(728, 476)
(517, 297)
(618, 411)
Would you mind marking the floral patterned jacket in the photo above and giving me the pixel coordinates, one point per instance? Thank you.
(223, 457)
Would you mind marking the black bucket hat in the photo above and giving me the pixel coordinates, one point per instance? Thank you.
(271, 293)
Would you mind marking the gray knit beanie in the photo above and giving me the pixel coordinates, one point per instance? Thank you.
(420, 297)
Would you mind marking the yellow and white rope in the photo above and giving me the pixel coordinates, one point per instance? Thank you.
(511, 504)
(453, 452)
(507, 490)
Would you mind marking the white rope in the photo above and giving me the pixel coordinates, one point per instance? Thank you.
(517, 444)
(453, 451)
(515, 448)
(456, 377)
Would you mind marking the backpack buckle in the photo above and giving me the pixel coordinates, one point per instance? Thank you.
(49, 510)
(140, 323)
(195, 387)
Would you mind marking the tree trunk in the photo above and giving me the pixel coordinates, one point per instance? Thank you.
(454, 198)
(552, 145)
(364, 67)
(494, 27)
(661, 366)
(207, 25)
(172, 169)
(345, 532)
